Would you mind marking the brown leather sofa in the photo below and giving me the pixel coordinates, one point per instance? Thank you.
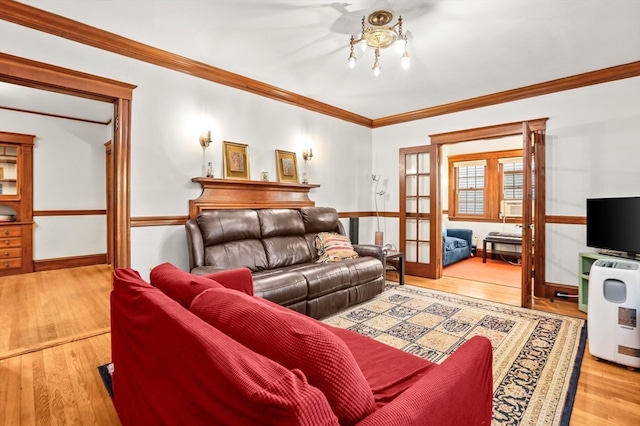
(278, 246)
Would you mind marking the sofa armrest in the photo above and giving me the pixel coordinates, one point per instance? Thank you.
(237, 279)
(465, 234)
(206, 270)
(457, 392)
(195, 244)
(369, 250)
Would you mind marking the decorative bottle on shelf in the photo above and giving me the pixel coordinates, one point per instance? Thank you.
(209, 170)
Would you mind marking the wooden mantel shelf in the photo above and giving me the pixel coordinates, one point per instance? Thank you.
(255, 194)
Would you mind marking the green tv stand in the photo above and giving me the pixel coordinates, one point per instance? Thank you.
(584, 266)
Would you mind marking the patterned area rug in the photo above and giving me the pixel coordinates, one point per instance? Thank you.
(536, 355)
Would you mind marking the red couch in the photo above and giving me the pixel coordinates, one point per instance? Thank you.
(202, 350)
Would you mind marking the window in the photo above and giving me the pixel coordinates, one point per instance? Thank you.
(470, 183)
(512, 178)
(479, 182)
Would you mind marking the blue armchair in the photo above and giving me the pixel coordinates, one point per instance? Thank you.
(456, 245)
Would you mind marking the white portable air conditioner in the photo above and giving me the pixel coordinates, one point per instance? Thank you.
(511, 208)
(612, 311)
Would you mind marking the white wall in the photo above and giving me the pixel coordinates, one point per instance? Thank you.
(593, 150)
(171, 110)
(68, 174)
(592, 146)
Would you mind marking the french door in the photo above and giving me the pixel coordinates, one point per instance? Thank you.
(419, 211)
(533, 213)
(528, 204)
(533, 148)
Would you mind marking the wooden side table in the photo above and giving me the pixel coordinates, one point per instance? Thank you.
(396, 257)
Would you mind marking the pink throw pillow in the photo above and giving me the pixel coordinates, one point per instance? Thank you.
(179, 285)
(294, 341)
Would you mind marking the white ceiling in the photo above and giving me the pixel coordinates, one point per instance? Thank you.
(459, 49)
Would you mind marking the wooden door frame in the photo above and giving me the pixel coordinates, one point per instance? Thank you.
(109, 173)
(500, 131)
(435, 242)
(527, 217)
(39, 75)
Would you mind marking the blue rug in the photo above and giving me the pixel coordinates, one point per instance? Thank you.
(105, 375)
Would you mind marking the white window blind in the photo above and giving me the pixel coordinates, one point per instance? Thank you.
(470, 181)
(512, 178)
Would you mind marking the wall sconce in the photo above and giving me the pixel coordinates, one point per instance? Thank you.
(205, 139)
(307, 154)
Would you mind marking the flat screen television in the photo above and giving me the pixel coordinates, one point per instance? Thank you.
(614, 224)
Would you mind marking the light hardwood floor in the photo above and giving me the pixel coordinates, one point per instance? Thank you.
(54, 333)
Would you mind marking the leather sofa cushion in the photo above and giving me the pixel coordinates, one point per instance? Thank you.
(294, 341)
(280, 222)
(219, 226)
(330, 303)
(324, 278)
(280, 286)
(283, 237)
(285, 251)
(237, 254)
(232, 239)
(363, 269)
(179, 285)
(319, 219)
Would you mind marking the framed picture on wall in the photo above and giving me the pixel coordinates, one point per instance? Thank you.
(287, 166)
(236, 160)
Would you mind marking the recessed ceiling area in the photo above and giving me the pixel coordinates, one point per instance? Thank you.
(28, 99)
(459, 49)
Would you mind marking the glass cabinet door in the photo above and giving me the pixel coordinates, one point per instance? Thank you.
(8, 170)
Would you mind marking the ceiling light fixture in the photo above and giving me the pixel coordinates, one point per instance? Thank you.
(379, 35)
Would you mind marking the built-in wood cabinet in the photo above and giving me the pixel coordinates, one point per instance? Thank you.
(16, 203)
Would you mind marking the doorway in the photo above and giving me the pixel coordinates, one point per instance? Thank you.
(533, 270)
(479, 181)
(25, 72)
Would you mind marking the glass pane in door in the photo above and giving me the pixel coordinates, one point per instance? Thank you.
(424, 163)
(411, 164)
(411, 251)
(424, 252)
(424, 230)
(424, 183)
(424, 205)
(411, 185)
(412, 229)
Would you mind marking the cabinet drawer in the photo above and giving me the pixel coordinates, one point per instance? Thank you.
(10, 231)
(10, 242)
(8, 253)
(10, 263)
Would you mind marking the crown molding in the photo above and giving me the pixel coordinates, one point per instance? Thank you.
(605, 75)
(60, 26)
